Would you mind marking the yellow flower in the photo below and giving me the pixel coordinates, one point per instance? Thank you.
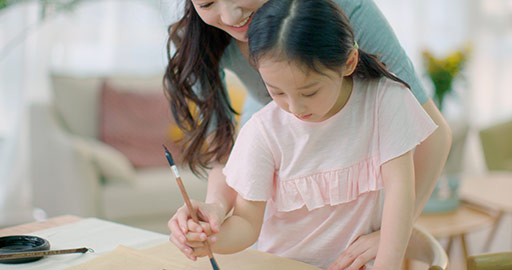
(442, 71)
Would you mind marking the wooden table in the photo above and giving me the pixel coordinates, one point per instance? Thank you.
(37, 226)
(89, 229)
(484, 201)
(457, 224)
(493, 191)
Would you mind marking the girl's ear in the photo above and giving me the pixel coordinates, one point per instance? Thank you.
(353, 59)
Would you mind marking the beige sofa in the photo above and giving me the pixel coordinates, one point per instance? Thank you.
(73, 172)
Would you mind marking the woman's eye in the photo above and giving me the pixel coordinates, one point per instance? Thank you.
(206, 5)
(311, 94)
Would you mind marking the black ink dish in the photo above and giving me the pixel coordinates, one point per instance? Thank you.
(22, 243)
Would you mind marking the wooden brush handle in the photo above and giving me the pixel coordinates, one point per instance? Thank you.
(42, 253)
(192, 212)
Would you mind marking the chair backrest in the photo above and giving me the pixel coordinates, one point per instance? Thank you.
(490, 261)
(497, 147)
(425, 248)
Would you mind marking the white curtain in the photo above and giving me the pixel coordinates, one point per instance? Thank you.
(444, 26)
(483, 93)
(95, 37)
(16, 25)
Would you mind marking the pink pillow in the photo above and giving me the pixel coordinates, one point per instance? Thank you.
(136, 123)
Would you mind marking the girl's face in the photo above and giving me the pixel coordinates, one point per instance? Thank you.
(232, 16)
(310, 96)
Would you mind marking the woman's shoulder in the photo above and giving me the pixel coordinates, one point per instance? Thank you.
(381, 86)
(230, 56)
(349, 6)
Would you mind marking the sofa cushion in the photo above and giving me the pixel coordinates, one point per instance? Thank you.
(111, 164)
(77, 98)
(136, 122)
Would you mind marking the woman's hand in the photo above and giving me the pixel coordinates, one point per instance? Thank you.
(187, 235)
(360, 252)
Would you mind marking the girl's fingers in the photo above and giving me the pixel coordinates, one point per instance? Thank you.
(190, 236)
(205, 227)
(193, 226)
(200, 252)
(214, 215)
(196, 237)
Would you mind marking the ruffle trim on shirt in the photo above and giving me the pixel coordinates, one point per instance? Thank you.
(328, 187)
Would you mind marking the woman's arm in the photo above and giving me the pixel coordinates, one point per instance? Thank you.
(397, 216)
(430, 157)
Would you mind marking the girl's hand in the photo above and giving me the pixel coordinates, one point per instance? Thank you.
(360, 252)
(196, 240)
(181, 224)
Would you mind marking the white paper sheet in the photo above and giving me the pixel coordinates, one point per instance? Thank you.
(100, 235)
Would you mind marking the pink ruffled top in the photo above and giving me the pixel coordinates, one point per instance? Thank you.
(322, 181)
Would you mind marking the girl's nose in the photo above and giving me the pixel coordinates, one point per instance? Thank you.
(231, 13)
(296, 107)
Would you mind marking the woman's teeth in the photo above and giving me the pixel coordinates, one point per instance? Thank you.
(242, 23)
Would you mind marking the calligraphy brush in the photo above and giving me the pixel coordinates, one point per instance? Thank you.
(30, 254)
(189, 205)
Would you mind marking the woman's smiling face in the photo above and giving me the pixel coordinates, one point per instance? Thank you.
(231, 16)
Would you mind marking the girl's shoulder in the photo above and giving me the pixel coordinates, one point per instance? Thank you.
(270, 120)
(271, 113)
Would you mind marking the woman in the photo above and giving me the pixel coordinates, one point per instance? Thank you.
(212, 36)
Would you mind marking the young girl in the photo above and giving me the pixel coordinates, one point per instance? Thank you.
(211, 36)
(340, 130)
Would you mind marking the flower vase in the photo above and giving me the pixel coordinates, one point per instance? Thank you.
(445, 197)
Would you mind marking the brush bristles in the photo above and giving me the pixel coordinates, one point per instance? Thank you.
(168, 155)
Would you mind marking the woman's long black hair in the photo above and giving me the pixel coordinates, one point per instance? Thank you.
(314, 33)
(193, 83)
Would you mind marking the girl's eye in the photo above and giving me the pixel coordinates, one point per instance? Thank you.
(312, 94)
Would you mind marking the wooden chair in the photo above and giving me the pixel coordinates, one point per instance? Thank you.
(425, 248)
(490, 261)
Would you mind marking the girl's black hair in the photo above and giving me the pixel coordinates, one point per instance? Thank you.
(195, 64)
(314, 33)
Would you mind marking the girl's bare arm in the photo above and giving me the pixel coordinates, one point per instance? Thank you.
(398, 213)
(242, 229)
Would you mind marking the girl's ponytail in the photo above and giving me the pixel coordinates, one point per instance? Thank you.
(369, 66)
(195, 63)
